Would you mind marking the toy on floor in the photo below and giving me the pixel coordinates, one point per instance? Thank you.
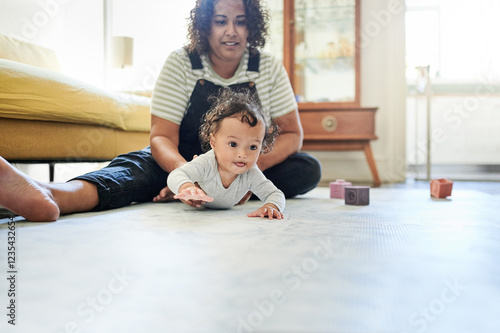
(337, 188)
(357, 195)
(441, 188)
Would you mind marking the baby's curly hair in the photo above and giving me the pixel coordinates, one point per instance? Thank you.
(200, 23)
(243, 104)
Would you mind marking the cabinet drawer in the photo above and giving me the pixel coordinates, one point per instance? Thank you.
(343, 124)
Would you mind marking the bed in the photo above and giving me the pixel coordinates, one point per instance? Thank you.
(49, 117)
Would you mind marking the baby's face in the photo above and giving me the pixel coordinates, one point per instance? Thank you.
(237, 145)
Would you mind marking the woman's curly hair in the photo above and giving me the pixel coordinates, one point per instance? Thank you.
(200, 23)
(242, 104)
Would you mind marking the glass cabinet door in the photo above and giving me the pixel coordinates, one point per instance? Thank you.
(319, 48)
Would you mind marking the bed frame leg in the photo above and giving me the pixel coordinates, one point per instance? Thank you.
(51, 171)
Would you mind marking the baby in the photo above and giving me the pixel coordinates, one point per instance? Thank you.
(236, 132)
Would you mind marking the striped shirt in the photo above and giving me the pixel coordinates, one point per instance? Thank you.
(177, 80)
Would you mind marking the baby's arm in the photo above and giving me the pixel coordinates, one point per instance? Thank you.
(182, 182)
(193, 194)
(269, 210)
(264, 189)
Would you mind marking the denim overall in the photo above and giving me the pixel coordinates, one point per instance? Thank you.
(199, 104)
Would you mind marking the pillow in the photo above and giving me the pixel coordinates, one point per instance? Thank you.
(28, 53)
(28, 92)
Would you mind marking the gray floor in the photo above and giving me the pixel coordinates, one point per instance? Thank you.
(405, 263)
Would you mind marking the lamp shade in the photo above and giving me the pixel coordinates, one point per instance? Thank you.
(122, 51)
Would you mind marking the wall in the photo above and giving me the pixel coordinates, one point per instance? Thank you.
(157, 30)
(464, 65)
(383, 85)
(74, 29)
(464, 128)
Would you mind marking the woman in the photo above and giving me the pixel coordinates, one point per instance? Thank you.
(224, 37)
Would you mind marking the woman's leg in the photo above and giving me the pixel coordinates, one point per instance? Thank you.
(38, 201)
(298, 174)
(132, 177)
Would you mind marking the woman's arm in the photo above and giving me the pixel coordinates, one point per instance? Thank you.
(164, 141)
(287, 143)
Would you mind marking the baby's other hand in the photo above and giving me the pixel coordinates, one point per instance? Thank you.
(269, 210)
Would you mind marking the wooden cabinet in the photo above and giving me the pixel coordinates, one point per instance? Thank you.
(341, 129)
(318, 42)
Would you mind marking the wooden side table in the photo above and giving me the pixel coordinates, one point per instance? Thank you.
(344, 129)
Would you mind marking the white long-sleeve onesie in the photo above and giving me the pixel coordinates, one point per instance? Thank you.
(204, 171)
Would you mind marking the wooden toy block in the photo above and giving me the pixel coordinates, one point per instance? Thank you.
(337, 188)
(357, 195)
(441, 188)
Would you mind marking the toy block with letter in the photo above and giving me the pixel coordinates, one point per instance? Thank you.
(441, 188)
(357, 195)
(337, 188)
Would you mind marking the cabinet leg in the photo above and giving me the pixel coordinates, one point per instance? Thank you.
(371, 163)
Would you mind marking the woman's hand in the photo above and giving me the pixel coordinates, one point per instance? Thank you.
(164, 195)
(193, 196)
(269, 210)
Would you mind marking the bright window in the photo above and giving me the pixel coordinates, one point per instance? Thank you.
(459, 39)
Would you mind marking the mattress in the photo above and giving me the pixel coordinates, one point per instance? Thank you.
(48, 140)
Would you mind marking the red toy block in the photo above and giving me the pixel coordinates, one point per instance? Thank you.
(337, 188)
(441, 188)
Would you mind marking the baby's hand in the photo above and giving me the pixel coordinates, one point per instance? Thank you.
(269, 210)
(193, 196)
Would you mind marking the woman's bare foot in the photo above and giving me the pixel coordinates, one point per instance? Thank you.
(24, 196)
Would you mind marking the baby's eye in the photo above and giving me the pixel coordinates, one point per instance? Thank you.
(253, 147)
(233, 144)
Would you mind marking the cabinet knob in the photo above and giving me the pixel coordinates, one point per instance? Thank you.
(329, 123)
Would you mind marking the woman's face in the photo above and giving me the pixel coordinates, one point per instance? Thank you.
(228, 33)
